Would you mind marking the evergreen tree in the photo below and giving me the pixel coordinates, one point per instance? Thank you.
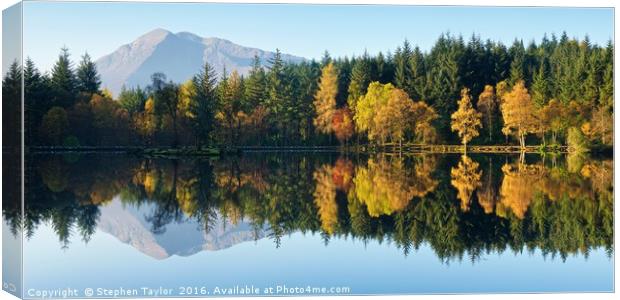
(88, 80)
(517, 55)
(63, 81)
(11, 107)
(132, 100)
(541, 90)
(255, 86)
(204, 104)
(417, 81)
(276, 94)
(606, 90)
(360, 79)
(402, 68)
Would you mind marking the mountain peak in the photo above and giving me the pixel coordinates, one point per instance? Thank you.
(189, 36)
(180, 56)
(154, 35)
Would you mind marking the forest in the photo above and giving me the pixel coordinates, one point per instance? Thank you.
(476, 92)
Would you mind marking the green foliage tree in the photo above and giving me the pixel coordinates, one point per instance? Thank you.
(88, 80)
(63, 81)
(54, 125)
(204, 104)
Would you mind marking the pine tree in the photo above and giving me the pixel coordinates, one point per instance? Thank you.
(517, 54)
(360, 79)
(276, 96)
(11, 107)
(255, 86)
(88, 80)
(606, 90)
(36, 101)
(63, 80)
(417, 80)
(541, 90)
(402, 71)
(204, 104)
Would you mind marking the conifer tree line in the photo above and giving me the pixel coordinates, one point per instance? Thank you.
(556, 92)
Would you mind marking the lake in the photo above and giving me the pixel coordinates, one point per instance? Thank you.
(310, 223)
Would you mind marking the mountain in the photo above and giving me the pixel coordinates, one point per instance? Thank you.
(130, 225)
(178, 55)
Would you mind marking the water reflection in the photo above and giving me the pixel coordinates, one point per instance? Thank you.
(459, 205)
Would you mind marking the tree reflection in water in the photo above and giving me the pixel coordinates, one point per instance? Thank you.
(453, 204)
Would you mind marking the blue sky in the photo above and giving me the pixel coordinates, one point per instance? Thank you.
(304, 30)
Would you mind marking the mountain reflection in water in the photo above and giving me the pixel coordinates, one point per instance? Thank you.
(462, 206)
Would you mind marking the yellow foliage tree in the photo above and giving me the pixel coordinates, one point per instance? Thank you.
(466, 120)
(519, 113)
(325, 99)
(387, 113)
(367, 106)
(392, 119)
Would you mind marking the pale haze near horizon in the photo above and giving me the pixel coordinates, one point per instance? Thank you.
(297, 29)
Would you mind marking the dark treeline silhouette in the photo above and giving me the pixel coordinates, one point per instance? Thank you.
(461, 207)
(557, 91)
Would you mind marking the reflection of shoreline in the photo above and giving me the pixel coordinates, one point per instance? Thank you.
(128, 225)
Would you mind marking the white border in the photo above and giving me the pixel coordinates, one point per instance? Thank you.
(564, 3)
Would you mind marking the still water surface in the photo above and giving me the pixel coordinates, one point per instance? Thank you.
(378, 224)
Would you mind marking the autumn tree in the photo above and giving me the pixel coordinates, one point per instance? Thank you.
(342, 125)
(392, 120)
(519, 113)
(387, 113)
(367, 106)
(421, 120)
(325, 99)
(466, 120)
